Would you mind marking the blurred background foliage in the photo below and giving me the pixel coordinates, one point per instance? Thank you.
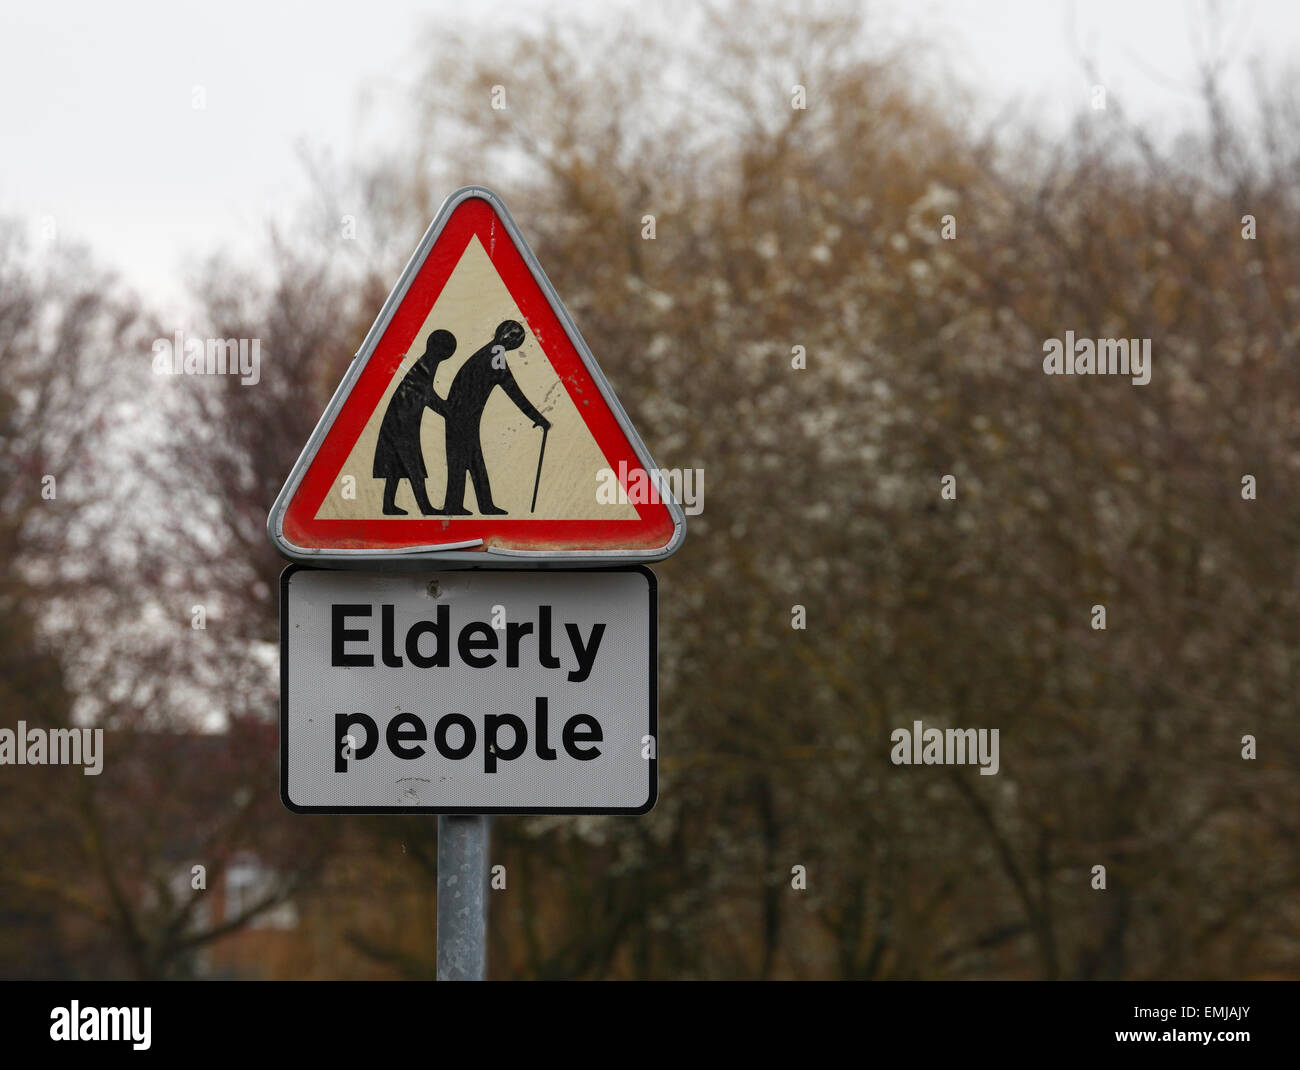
(776, 227)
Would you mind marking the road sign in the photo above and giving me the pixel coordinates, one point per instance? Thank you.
(474, 425)
(469, 691)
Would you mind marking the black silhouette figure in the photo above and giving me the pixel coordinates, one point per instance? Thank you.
(397, 453)
(478, 377)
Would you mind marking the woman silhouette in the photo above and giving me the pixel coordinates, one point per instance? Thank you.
(397, 452)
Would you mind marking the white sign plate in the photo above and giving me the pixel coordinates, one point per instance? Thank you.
(468, 692)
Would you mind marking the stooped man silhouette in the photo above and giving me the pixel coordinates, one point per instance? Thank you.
(463, 410)
(397, 452)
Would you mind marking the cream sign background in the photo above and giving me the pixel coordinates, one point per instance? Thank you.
(472, 303)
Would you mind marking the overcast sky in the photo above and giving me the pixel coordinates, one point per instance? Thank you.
(98, 129)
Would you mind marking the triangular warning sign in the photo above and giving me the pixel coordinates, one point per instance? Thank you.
(474, 423)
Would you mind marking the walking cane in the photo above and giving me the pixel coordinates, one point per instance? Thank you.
(538, 481)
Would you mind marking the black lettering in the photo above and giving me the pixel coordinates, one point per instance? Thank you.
(544, 655)
(391, 658)
(572, 739)
(492, 749)
(468, 645)
(439, 659)
(440, 735)
(340, 634)
(544, 750)
(586, 655)
(403, 727)
(515, 630)
(344, 721)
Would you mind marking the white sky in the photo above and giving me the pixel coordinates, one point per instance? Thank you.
(97, 128)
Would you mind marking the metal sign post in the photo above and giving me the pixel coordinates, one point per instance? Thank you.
(462, 897)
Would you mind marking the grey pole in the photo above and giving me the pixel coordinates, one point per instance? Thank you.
(462, 897)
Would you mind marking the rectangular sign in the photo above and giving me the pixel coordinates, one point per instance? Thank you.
(478, 691)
